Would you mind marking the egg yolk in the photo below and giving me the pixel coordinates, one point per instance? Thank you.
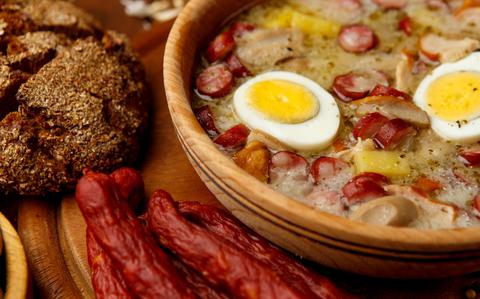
(456, 96)
(283, 101)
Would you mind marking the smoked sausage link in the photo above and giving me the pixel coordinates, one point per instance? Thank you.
(107, 282)
(222, 263)
(130, 185)
(196, 280)
(226, 226)
(146, 270)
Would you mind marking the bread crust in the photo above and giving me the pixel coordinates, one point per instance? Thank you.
(72, 96)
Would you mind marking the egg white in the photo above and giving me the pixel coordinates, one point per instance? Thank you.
(450, 130)
(316, 133)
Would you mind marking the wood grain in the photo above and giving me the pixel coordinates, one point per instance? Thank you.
(71, 230)
(330, 240)
(37, 227)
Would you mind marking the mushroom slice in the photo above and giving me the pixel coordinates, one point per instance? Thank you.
(266, 47)
(438, 48)
(389, 210)
(393, 107)
(432, 213)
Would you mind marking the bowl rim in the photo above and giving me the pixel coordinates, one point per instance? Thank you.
(197, 143)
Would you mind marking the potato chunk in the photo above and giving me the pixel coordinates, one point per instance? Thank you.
(390, 164)
(254, 159)
(308, 24)
(314, 25)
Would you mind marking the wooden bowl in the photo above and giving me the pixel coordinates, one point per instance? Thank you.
(329, 240)
(18, 280)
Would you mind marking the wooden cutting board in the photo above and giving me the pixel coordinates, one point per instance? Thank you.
(53, 231)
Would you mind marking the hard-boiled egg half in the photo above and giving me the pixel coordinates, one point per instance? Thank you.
(291, 108)
(451, 97)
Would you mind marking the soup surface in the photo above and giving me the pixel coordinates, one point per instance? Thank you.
(365, 109)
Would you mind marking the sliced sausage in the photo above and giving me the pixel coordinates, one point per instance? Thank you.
(470, 157)
(207, 120)
(357, 85)
(394, 134)
(365, 187)
(220, 47)
(216, 81)
(391, 4)
(225, 265)
(326, 167)
(234, 138)
(438, 48)
(405, 25)
(369, 125)
(348, 88)
(380, 179)
(393, 107)
(240, 28)
(382, 90)
(357, 38)
(288, 163)
(236, 66)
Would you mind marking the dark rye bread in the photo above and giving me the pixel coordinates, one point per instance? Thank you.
(72, 96)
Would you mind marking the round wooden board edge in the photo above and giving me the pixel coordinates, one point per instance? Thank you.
(36, 222)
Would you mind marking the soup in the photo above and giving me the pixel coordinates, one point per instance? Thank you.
(368, 110)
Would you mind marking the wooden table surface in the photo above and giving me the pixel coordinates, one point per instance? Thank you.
(172, 165)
